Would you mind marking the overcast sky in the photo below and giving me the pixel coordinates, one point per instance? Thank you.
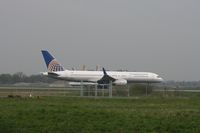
(161, 36)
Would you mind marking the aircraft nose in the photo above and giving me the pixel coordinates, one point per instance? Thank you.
(161, 79)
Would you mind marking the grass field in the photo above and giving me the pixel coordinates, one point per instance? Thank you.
(80, 115)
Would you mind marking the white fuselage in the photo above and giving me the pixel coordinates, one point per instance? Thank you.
(94, 76)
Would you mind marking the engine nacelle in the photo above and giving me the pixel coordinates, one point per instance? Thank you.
(120, 82)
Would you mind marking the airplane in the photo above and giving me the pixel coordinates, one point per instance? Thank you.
(57, 71)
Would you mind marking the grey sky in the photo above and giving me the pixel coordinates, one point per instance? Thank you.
(161, 36)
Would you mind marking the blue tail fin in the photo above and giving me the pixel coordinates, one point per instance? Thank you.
(52, 64)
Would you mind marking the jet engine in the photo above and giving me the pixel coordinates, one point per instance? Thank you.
(120, 82)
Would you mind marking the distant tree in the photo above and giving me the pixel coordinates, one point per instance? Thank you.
(21, 77)
(6, 79)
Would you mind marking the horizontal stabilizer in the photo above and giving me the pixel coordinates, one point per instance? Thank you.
(53, 74)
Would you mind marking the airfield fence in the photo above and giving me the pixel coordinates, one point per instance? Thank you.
(136, 90)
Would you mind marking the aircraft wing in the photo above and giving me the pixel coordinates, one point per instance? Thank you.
(106, 79)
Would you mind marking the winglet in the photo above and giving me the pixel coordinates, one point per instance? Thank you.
(104, 71)
(106, 78)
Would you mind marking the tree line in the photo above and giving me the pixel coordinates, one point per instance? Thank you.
(21, 77)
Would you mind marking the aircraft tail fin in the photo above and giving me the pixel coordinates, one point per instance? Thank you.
(52, 64)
